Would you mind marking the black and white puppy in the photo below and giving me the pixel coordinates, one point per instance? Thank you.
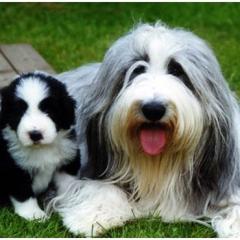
(37, 138)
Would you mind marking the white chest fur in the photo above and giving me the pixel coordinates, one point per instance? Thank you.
(41, 161)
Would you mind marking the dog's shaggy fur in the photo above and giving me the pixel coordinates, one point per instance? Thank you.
(159, 133)
(37, 137)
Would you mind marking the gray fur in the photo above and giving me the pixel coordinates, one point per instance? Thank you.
(216, 169)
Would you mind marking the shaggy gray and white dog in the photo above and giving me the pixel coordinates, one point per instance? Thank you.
(159, 134)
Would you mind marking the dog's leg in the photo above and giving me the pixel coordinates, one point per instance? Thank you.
(226, 222)
(73, 167)
(28, 209)
(23, 198)
(62, 181)
(91, 207)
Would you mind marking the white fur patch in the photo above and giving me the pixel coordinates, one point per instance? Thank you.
(32, 91)
(41, 161)
(28, 209)
(227, 224)
(90, 207)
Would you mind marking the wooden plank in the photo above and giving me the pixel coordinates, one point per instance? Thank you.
(24, 58)
(7, 73)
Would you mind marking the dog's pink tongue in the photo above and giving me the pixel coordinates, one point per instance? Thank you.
(152, 140)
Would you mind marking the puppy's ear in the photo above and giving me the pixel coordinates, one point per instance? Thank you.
(61, 104)
(68, 105)
(5, 101)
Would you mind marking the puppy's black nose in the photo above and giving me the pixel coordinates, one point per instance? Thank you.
(35, 135)
(154, 110)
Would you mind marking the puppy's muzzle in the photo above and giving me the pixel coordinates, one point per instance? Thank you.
(35, 136)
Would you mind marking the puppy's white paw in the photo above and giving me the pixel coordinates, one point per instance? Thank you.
(29, 209)
(34, 214)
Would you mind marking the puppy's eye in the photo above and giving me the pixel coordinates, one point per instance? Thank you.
(137, 71)
(47, 104)
(175, 69)
(20, 104)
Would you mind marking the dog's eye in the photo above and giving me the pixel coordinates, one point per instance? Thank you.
(175, 69)
(20, 104)
(137, 71)
(47, 104)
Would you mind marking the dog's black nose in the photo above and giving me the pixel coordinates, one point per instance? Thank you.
(35, 135)
(153, 111)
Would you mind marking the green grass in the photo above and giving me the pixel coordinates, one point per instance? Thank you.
(12, 225)
(68, 35)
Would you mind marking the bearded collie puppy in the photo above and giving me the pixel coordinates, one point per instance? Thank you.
(36, 138)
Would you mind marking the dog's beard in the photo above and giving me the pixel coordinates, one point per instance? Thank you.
(155, 174)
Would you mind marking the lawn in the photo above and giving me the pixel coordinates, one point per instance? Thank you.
(68, 35)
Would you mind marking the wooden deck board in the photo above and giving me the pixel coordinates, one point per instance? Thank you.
(23, 58)
(6, 71)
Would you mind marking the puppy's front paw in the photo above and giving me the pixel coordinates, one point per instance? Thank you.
(29, 209)
(33, 214)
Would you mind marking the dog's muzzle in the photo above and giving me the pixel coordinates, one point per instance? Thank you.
(153, 111)
(35, 136)
(153, 133)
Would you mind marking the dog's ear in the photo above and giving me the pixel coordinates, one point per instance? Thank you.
(62, 104)
(5, 101)
(1, 91)
(68, 105)
(97, 150)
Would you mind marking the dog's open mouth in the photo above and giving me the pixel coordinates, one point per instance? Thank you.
(153, 138)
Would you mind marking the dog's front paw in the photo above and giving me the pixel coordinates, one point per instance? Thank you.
(79, 228)
(228, 225)
(29, 209)
(92, 207)
(33, 214)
